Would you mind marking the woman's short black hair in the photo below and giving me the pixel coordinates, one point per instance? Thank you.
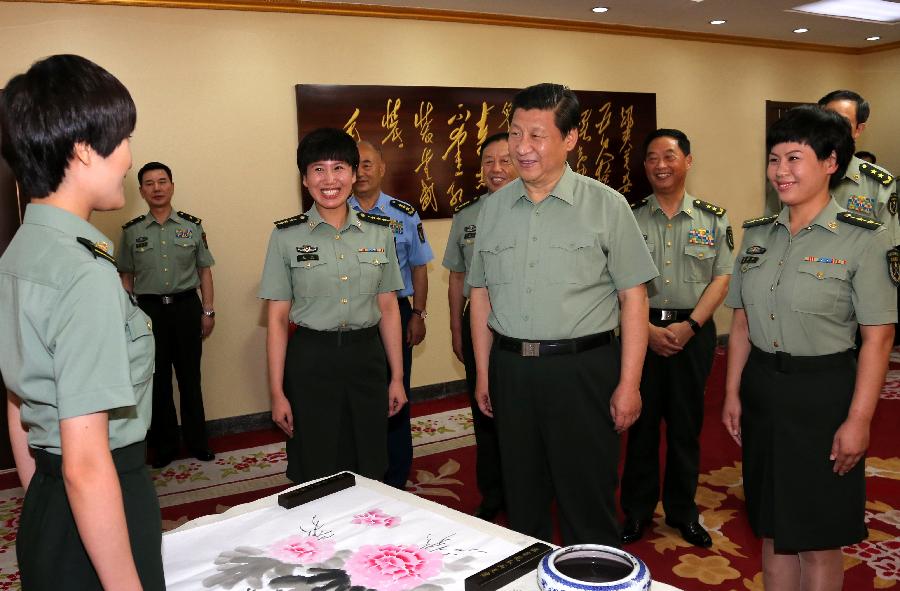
(824, 131)
(327, 143)
(60, 101)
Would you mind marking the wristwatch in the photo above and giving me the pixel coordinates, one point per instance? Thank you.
(210, 313)
(421, 313)
(695, 326)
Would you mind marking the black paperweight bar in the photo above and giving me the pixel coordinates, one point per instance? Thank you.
(316, 490)
(507, 570)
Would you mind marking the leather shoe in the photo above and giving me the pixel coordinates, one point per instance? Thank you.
(487, 512)
(693, 533)
(205, 455)
(161, 461)
(632, 530)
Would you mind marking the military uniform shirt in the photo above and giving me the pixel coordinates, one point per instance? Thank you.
(689, 250)
(805, 294)
(331, 277)
(164, 258)
(72, 343)
(553, 268)
(871, 191)
(413, 249)
(461, 242)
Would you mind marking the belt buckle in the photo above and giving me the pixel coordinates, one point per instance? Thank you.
(531, 349)
(167, 299)
(667, 315)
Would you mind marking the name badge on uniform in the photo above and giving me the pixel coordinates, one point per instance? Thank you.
(307, 248)
(183, 233)
(745, 260)
(861, 203)
(307, 257)
(701, 236)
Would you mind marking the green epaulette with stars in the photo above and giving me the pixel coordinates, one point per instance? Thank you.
(719, 211)
(381, 220)
(96, 250)
(292, 221)
(759, 221)
(858, 220)
(189, 217)
(130, 223)
(879, 174)
(640, 204)
(461, 206)
(403, 206)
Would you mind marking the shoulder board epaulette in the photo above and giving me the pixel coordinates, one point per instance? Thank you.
(879, 174)
(759, 221)
(189, 217)
(641, 203)
(292, 221)
(858, 220)
(381, 220)
(719, 211)
(461, 206)
(130, 223)
(96, 250)
(403, 206)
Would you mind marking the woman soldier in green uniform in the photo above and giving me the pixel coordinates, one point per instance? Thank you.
(796, 397)
(332, 272)
(75, 352)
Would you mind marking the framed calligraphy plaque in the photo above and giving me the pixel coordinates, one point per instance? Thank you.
(431, 136)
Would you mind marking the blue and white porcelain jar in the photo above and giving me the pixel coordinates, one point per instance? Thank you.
(592, 567)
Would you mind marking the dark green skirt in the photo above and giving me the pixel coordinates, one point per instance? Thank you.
(48, 547)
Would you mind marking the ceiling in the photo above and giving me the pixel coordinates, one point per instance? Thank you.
(770, 20)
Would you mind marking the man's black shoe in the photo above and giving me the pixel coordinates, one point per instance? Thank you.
(205, 455)
(632, 530)
(161, 461)
(693, 533)
(487, 512)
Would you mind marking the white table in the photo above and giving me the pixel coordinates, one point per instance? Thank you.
(525, 583)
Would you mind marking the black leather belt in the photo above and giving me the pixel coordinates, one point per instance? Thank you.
(338, 338)
(169, 298)
(669, 315)
(544, 348)
(787, 363)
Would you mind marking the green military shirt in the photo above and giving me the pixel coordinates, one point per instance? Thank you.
(164, 258)
(331, 277)
(689, 250)
(461, 242)
(871, 191)
(553, 269)
(805, 294)
(72, 343)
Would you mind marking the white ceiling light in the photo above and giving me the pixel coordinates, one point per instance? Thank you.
(801, 30)
(873, 38)
(869, 10)
(599, 9)
(718, 22)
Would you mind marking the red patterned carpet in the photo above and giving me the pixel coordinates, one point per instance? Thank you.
(251, 465)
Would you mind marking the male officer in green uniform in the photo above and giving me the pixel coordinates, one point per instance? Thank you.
(557, 256)
(163, 259)
(691, 244)
(496, 171)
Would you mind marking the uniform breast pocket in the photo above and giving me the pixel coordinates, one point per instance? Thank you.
(185, 251)
(371, 265)
(145, 255)
(576, 259)
(698, 263)
(753, 286)
(311, 278)
(498, 257)
(819, 287)
(140, 345)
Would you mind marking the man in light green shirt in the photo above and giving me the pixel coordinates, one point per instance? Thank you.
(559, 263)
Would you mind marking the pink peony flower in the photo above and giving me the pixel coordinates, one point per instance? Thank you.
(302, 550)
(376, 517)
(392, 568)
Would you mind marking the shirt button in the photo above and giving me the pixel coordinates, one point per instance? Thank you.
(165, 256)
(527, 290)
(534, 238)
(149, 325)
(337, 236)
(165, 270)
(668, 262)
(669, 243)
(341, 256)
(772, 288)
(343, 278)
(668, 281)
(531, 264)
(525, 317)
(772, 316)
(780, 263)
(343, 300)
(774, 343)
(666, 301)
(163, 241)
(343, 324)
(820, 275)
(308, 265)
(700, 256)
(668, 225)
